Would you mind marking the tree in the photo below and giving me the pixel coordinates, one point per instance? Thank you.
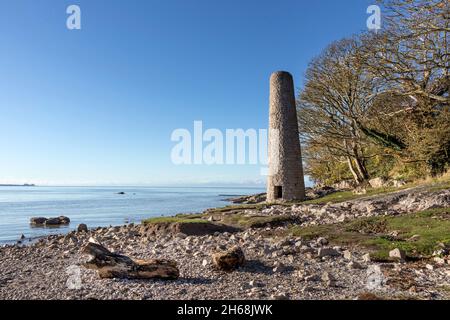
(411, 54)
(379, 102)
(333, 105)
(410, 57)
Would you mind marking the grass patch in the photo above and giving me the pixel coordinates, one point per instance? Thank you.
(190, 215)
(445, 289)
(176, 219)
(432, 227)
(237, 207)
(243, 221)
(429, 184)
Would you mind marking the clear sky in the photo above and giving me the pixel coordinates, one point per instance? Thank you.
(98, 105)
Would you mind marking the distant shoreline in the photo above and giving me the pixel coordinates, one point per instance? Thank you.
(18, 185)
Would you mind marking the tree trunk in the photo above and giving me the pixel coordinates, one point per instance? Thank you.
(357, 178)
(112, 265)
(352, 170)
(361, 169)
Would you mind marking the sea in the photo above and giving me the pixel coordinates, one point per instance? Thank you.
(101, 206)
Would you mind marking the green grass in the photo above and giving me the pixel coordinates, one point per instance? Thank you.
(440, 186)
(435, 184)
(432, 227)
(190, 215)
(176, 219)
(243, 221)
(237, 207)
(445, 289)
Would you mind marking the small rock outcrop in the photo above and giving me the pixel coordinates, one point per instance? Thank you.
(324, 252)
(37, 221)
(229, 260)
(42, 221)
(379, 182)
(345, 185)
(57, 221)
(187, 228)
(252, 199)
(319, 192)
(82, 228)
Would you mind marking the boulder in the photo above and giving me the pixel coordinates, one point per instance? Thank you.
(189, 228)
(38, 220)
(379, 182)
(397, 183)
(318, 192)
(229, 260)
(252, 199)
(64, 220)
(348, 255)
(82, 228)
(61, 220)
(345, 185)
(397, 254)
(323, 252)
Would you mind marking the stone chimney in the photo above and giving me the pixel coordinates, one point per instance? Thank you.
(285, 180)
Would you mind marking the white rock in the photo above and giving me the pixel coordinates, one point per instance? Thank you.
(397, 254)
(322, 241)
(366, 257)
(439, 260)
(347, 255)
(328, 279)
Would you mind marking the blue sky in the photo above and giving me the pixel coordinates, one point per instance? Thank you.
(98, 105)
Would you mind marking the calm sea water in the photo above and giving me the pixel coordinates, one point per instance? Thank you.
(100, 206)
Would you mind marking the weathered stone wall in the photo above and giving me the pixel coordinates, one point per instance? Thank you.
(285, 160)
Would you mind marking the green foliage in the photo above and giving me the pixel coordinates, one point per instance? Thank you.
(384, 139)
(430, 229)
(177, 219)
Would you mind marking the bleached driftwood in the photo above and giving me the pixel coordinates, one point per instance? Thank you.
(112, 265)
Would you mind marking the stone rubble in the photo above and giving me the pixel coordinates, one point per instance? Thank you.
(270, 267)
(40, 270)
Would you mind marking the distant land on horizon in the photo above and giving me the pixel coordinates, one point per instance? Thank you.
(18, 185)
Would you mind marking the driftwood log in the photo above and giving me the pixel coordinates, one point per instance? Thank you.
(112, 265)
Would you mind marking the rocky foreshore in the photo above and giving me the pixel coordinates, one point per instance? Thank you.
(278, 265)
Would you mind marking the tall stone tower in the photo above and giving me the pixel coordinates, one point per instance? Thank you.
(285, 180)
